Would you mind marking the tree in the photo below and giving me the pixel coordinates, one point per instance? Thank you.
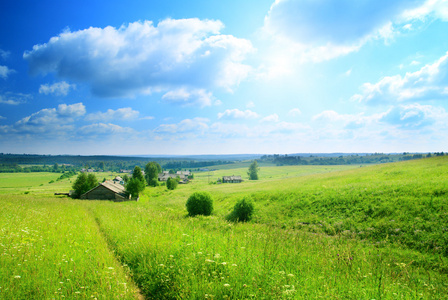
(83, 184)
(137, 174)
(152, 170)
(125, 178)
(137, 183)
(134, 187)
(253, 171)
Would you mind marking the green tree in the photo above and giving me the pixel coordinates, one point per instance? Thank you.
(83, 183)
(253, 171)
(152, 170)
(172, 183)
(92, 181)
(136, 184)
(125, 178)
(134, 187)
(137, 174)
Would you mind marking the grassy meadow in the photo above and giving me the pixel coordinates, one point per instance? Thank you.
(318, 232)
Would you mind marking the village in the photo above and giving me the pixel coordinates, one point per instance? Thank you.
(115, 189)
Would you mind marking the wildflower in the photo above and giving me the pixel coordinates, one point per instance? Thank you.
(226, 285)
(17, 276)
(110, 268)
(224, 263)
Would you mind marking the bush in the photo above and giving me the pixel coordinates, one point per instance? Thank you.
(200, 203)
(242, 211)
(171, 183)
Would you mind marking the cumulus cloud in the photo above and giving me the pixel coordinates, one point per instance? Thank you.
(126, 113)
(140, 58)
(14, 98)
(414, 116)
(295, 112)
(4, 54)
(270, 118)
(50, 120)
(104, 129)
(430, 82)
(5, 71)
(437, 9)
(321, 30)
(198, 125)
(237, 114)
(189, 96)
(59, 88)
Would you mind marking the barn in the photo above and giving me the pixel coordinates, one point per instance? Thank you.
(107, 190)
(232, 179)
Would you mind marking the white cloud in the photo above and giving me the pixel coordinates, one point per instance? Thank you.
(140, 58)
(431, 8)
(5, 71)
(4, 54)
(415, 116)
(197, 125)
(237, 114)
(50, 120)
(14, 98)
(189, 96)
(321, 30)
(430, 82)
(104, 129)
(270, 118)
(295, 112)
(59, 88)
(250, 104)
(120, 114)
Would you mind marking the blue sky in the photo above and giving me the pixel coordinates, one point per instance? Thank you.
(223, 77)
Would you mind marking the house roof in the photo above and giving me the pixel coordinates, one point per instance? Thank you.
(238, 177)
(114, 187)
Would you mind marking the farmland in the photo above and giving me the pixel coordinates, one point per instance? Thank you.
(338, 232)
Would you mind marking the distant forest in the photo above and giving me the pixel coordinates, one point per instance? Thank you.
(73, 163)
(10, 163)
(352, 159)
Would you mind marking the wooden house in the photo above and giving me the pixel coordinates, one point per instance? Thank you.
(232, 179)
(107, 190)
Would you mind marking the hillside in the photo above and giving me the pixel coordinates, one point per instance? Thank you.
(346, 232)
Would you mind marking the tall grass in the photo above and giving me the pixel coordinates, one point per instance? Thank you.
(53, 249)
(365, 233)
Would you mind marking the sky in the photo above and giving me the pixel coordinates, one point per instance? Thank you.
(223, 77)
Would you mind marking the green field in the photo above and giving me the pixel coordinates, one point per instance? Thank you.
(318, 232)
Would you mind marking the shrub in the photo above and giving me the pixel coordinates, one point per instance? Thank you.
(200, 203)
(171, 183)
(242, 211)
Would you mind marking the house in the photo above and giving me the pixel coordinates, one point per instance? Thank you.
(107, 190)
(232, 179)
(184, 173)
(119, 180)
(165, 175)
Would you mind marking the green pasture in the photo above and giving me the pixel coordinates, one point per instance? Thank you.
(318, 232)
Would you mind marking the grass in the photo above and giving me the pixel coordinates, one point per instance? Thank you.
(338, 232)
